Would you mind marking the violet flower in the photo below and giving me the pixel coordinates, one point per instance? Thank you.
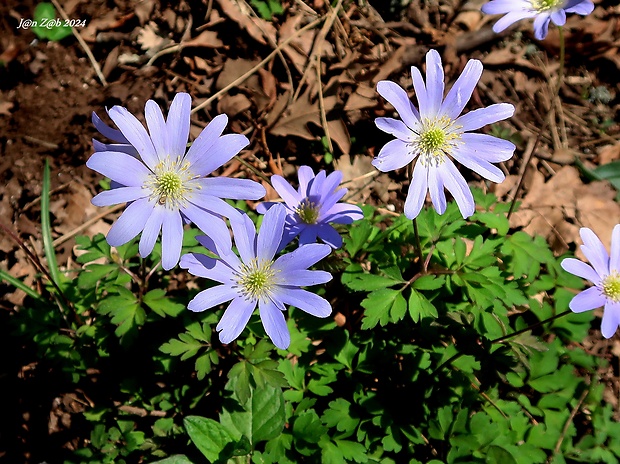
(312, 207)
(436, 133)
(164, 185)
(543, 12)
(258, 279)
(604, 273)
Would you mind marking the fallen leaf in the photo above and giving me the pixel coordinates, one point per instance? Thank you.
(258, 28)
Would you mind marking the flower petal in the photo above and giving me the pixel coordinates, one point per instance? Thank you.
(559, 17)
(119, 195)
(500, 6)
(212, 297)
(131, 222)
(213, 204)
(395, 127)
(611, 319)
(308, 302)
(205, 140)
(286, 192)
(595, 251)
(245, 237)
(107, 131)
(329, 235)
(177, 125)
(480, 117)
(303, 278)
(394, 155)
(580, 269)
(541, 25)
(136, 134)
(461, 91)
(305, 175)
(456, 185)
(434, 82)
(342, 213)
(489, 148)
(417, 191)
(614, 258)
(151, 231)
(435, 188)
(588, 299)
(274, 323)
(420, 93)
(235, 319)
(581, 7)
(468, 157)
(219, 153)
(119, 167)
(157, 128)
(301, 258)
(511, 18)
(171, 238)
(398, 98)
(210, 224)
(234, 189)
(270, 234)
(206, 267)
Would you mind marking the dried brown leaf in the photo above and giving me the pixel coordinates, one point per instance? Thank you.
(258, 28)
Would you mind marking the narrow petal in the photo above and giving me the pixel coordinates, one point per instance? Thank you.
(171, 238)
(211, 225)
(206, 267)
(456, 185)
(151, 231)
(157, 128)
(420, 92)
(541, 26)
(303, 278)
(234, 189)
(119, 195)
(580, 269)
(119, 167)
(511, 18)
(330, 199)
(588, 299)
(614, 258)
(286, 192)
(500, 6)
(330, 236)
(435, 188)
(274, 323)
(305, 174)
(582, 7)
(331, 184)
(461, 91)
(398, 98)
(480, 117)
(611, 319)
(302, 258)
(559, 17)
(342, 213)
(595, 251)
(107, 131)
(417, 191)
(395, 127)
(394, 155)
(213, 204)
(206, 139)
(270, 233)
(235, 319)
(245, 237)
(434, 82)
(119, 147)
(177, 125)
(136, 134)
(130, 223)
(316, 186)
(489, 148)
(308, 234)
(468, 156)
(304, 300)
(219, 153)
(212, 297)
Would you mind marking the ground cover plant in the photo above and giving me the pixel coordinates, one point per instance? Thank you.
(312, 232)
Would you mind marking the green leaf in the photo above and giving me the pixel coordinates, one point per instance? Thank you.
(156, 300)
(176, 459)
(610, 172)
(420, 307)
(383, 306)
(209, 436)
(357, 280)
(45, 12)
(125, 311)
(308, 427)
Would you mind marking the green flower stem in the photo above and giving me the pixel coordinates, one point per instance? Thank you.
(562, 59)
(418, 245)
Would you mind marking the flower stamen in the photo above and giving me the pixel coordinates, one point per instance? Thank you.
(170, 182)
(545, 5)
(256, 279)
(611, 287)
(437, 138)
(308, 211)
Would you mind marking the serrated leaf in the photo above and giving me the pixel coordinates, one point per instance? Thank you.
(176, 459)
(209, 436)
(379, 305)
(156, 300)
(357, 280)
(420, 307)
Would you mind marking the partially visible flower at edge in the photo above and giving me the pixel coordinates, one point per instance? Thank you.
(258, 279)
(312, 207)
(163, 185)
(604, 273)
(436, 133)
(543, 12)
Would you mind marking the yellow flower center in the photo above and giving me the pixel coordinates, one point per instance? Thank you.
(611, 287)
(544, 5)
(171, 182)
(432, 140)
(437, 138)
(256, 279)
(307, 211)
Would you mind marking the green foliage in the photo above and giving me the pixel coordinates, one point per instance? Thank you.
(268, 8)
(47, 25)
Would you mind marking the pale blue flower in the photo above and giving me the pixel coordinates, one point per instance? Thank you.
(543, 12)
(313, 207)
(436, 133)
(604, 273)
(256, 278)
(164, 185)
